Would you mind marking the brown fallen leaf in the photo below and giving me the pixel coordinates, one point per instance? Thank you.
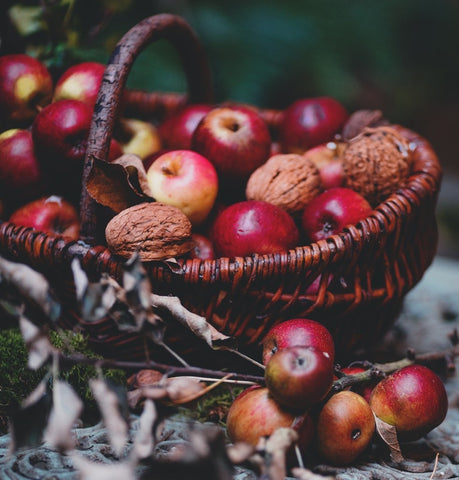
(388, 434)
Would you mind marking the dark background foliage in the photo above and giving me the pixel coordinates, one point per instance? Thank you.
(400, 57)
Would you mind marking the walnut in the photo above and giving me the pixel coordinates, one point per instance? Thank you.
(288, 180)
(155, 230)
(376, 162)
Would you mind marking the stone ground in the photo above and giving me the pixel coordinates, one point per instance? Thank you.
(430, 313)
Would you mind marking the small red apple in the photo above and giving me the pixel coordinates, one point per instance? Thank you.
(298, 332)
(255, 414)
(299, 377)
(184, 179)
(203, 247)
(235, 139)
(327, 158)
(308, 122)
(253, 226)
(50, 215)
(138, 137)
(25, 86)
(345, 428)
(21, 178)
(177, 130)
(412, 399)
(80, 82)
(330, 211)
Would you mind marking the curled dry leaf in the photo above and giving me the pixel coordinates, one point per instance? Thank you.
(67, 407)
(175, 390)
(33, 285)
(118, 184)
(143, 440)
(196, 323)
(388, 434)
(37, 343)
(155, 230)
(276, 447)
(110, 409)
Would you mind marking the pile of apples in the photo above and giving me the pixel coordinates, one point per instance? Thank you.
(335, 427)
(198, 159)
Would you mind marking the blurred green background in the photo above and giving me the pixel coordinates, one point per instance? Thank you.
(398, 56)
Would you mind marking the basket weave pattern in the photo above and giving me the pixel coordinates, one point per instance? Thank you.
(364, 271)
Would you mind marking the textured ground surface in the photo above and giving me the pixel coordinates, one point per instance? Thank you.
(430, 313)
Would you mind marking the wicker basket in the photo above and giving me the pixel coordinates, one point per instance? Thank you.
(373, 264)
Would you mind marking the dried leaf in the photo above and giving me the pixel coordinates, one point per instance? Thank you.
(119, 184)
(175, 390)
(112, 408)
(276, 451)
(143, 440)
(388, 433)
(89, 470)
(197, 324)
(67, 407)
(240, 452)
(305, 474)
(32, 285)
(95, 299)
(36, 342)
(28, 423)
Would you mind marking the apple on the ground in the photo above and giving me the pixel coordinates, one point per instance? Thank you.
(184, 179)
(299, 377)
(332, 210)
(413, 399)
(345, 428)
(255, 414)
(50, 214)
(298, 332)
(80, 82)
(25, 86)
(253, 226)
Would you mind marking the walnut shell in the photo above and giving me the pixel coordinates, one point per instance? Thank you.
(155, 230)
(287, 180)
(376, 162)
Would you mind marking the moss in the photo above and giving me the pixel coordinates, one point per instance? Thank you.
(17, 381)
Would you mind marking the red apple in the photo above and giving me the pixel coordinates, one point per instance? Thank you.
(203, 247)
(50, 215)
(309, 122)
(235, 139)
(21, 178)
(80, 82)
(255, 414)
(60, 133)
(184, 179)
(138, 137)
(253, 226)
(332, 210)
(299, 377)
(177, 130)
(327, 158)
(345, 428)
(25, 87)
(298, 332)
(412, 399)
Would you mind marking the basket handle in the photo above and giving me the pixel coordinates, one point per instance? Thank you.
(196, 68)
